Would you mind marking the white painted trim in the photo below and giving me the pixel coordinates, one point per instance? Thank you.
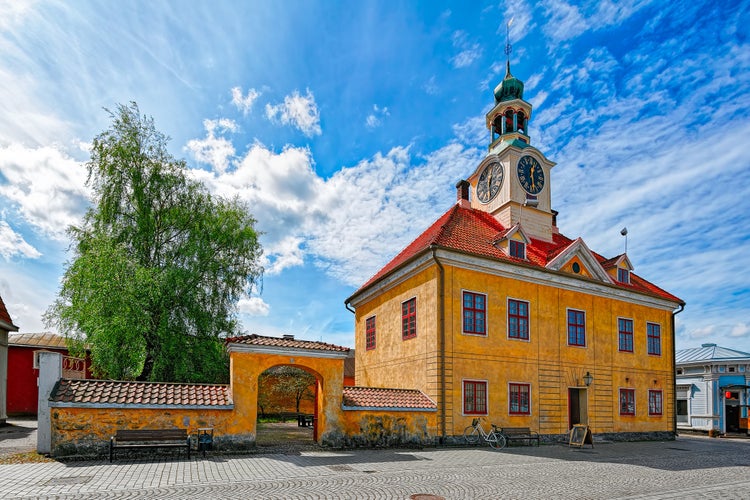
(585, 328)
(507, 319)
(513, 270)
(648, 404)
(285, 351)
(579, 248)
(530, 399)
(635, 402)
(416, 318)
(486, 315)
(632, 334)
(486, 395)
(661, 337)
(393, 279)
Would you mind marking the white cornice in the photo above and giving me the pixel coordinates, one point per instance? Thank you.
(507, 269)
(580, 249)
(286, 351)
(392, 279)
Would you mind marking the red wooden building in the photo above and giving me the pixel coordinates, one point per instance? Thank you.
(22, 391)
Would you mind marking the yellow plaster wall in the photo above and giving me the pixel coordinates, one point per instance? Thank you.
(384, 428)
(398, 363)
(548, 364)
(545, 361)
(87, 430)
(245, 368)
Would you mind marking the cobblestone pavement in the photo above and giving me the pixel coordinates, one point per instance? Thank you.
(689, 467)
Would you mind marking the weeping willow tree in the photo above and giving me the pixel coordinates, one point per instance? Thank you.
(158, 263)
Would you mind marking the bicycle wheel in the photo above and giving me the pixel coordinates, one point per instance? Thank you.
(496, 440)
(471, 435)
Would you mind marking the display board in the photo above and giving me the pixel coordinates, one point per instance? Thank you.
(580, 434)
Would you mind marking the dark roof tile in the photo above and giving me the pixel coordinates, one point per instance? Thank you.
(140, 393)
(376, 397)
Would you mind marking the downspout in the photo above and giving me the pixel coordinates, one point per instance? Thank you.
(441, 340)
(346, 304)
(674, 370)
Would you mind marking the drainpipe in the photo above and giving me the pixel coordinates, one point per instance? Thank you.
(441, 340)
(346, 304)
(674, 371)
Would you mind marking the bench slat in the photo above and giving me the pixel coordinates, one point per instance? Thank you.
(149, 438)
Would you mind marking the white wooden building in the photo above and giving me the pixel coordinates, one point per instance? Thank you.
(712, 389)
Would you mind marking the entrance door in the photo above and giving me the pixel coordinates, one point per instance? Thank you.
(732, 412)
(577, 407)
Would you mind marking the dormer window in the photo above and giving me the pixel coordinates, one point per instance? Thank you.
(517, 249)
(623, 275)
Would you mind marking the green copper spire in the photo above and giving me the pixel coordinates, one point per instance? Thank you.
(511, 87)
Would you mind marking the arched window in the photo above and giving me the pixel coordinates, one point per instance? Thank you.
(509, 121)
(521, 120)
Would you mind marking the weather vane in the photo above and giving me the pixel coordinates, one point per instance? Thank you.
(508, 47)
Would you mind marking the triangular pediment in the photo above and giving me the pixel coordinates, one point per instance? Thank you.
(578, 259)
(515, 233)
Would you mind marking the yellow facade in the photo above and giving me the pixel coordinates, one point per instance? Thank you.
(545, 361)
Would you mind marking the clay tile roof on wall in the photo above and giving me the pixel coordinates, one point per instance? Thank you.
(474, 232)
(288, 341)
(109, 392)
(5, 321)
(50, 340)
(376, 397)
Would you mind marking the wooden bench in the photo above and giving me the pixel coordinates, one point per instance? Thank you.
(149, 438)
(288, 415)
(520, 434)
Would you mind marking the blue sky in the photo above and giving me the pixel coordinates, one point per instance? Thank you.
(345, 126)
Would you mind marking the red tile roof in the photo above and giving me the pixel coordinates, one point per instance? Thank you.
(5, 317)
(49, 340)
(376, 397)
(474, 232)
(109, 392)
(286, 341)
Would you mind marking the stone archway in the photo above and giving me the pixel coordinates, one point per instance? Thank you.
(252, 355)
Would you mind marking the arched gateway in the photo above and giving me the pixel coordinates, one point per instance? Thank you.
(253, 354)
(77, 417)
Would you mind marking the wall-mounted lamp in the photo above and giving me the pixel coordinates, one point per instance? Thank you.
(588, 378)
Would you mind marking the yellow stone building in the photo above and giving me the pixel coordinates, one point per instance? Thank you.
(493, 312)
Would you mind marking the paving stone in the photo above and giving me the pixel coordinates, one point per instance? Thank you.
(690, 467)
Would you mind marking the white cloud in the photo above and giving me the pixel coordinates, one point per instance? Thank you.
(253, 306)
(213, 150)
(299, 111)
(740, 330)
(12, 243)
(375, 119)
(350, 224)
(46, 186)
(468, 51)
(244, 103)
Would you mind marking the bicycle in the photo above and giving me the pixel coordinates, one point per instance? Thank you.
(475, 432)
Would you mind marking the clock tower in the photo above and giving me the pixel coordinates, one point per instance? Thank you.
(513, 181)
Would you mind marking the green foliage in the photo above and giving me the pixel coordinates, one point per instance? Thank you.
(159, 263)
(287, 383)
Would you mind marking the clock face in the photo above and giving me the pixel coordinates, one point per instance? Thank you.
(490, 181)
(530, 174)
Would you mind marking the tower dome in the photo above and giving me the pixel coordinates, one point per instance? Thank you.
(510, 88)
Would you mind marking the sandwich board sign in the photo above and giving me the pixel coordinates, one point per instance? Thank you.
(580, 434)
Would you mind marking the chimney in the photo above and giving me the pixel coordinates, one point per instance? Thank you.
(555, 230)
(462, 194)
